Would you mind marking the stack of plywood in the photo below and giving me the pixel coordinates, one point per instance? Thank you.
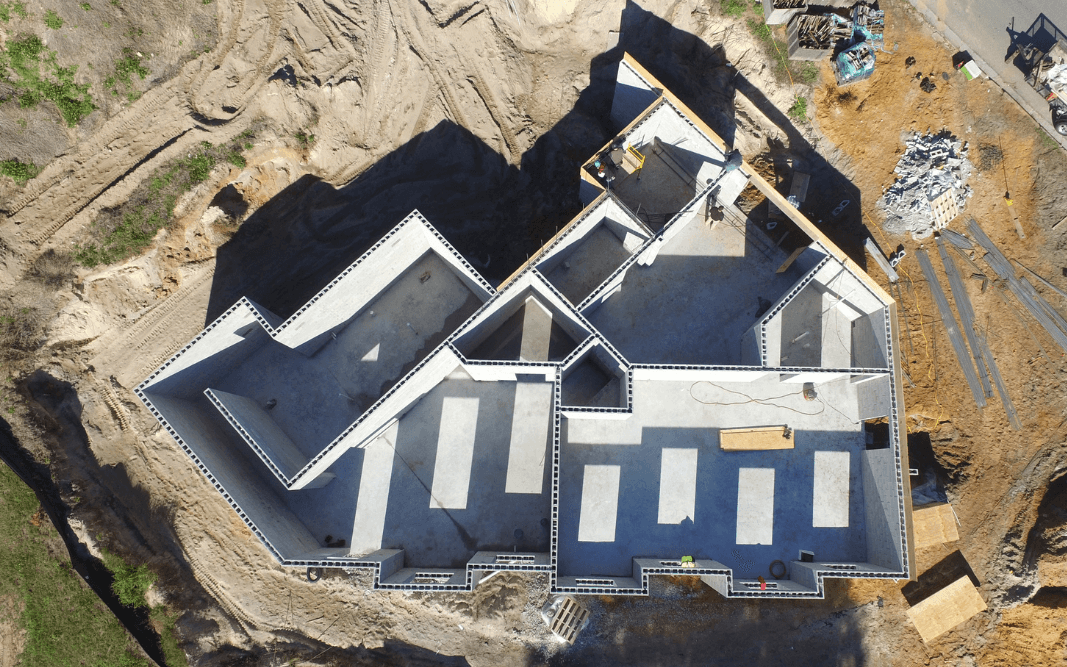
(946, 609)
(752, 439)
(934, 524)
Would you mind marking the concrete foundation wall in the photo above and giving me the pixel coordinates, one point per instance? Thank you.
(206, 436)
(609, 214)
(224, 345)
(256, 427)
(872, 398)
(702, 157)
(868, 341)
(718, 583)
(504, 372)
(883, 510)
(697, 374)
(392, 406)
(633, 94)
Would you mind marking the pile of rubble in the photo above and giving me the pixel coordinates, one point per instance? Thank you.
(932, 165)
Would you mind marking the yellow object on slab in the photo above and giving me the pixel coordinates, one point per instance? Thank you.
(934, 524)
(946, 609)
(751, 439)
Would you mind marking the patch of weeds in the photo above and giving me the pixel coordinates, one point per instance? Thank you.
(134, 32)
(306, 140)
(164, 622)
(236, 159)
(734, 8)
(5, 12)
(760, 30)
(107, 24)
(20, 329)
(799, 110)
(65, 622)
(52, 20)
(20, 172)
(1046, 140)
(22, 123)
(20, 9)
(809, 72)
(52, 269)
(23, 59)
(130, 64)
(86, 6)
(129, 229)
(131, 583)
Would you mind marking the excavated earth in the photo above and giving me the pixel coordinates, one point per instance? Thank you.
(479, 113)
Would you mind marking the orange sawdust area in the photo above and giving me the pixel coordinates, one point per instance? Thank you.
(996, 477)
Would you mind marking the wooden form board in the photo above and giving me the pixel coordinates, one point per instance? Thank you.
(934, 524)
(752, 439)
(946, 609)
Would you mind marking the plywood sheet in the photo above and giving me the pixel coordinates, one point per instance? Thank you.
(946, 609)
(749, 439)
(934, 524)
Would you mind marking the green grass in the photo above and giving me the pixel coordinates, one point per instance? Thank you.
(129, 65)
(122, 233)
(20, 172)
(20, 67)
(164, 622)
(306, 140)
(52, 20)
(1046, 140)
(86, 6)
(799, 110)
(131, 583)
(66, 623)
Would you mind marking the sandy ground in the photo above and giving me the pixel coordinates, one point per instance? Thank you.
(479, 115)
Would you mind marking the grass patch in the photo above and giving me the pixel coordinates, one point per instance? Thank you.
(66, 623)
(306, 139)
(20, 172)
(123, 232)
(86, 6)
(734, 8)
(52, 20)
(129, 65)
(799, 110)
(164, 624)
(7, 8)
(131, 583)
(20, 67)
(1046, 140)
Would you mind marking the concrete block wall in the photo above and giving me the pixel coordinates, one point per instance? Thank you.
(390, 407)
(872, 397)
(882, 507)
(204, 437)
(257, 428)
(503, 371)
(633, 94)
(609, 213)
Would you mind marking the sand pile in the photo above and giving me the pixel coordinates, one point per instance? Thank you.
(932, 165)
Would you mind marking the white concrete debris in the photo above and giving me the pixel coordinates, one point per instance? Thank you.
(931, 165)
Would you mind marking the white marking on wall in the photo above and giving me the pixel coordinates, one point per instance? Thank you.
(755, 506)
(455, 453)
(529, 437)
(600, 504)
(677, 485)
(830, 497)
(369, 525)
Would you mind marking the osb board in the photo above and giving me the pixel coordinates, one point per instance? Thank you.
(749, 439)
(946, 609)
(934, 524)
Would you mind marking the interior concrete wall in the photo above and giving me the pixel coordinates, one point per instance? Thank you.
(882, 507)
(633, 94)
(869, 341)
(494, 314)
(697, 374)
(392, 406)
(608, 213)
(261, 432)
(507, 372)
(872, 398)
(207, 436)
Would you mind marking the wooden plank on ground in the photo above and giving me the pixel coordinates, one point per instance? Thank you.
(934, 524)
(752, 439)
(946, 609)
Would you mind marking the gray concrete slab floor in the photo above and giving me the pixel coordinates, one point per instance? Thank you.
(694, 303)
(432, 536)
(669, 428)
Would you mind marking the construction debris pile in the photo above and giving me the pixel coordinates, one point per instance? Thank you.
(932, 165)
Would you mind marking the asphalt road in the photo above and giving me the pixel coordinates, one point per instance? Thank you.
(987, 29)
